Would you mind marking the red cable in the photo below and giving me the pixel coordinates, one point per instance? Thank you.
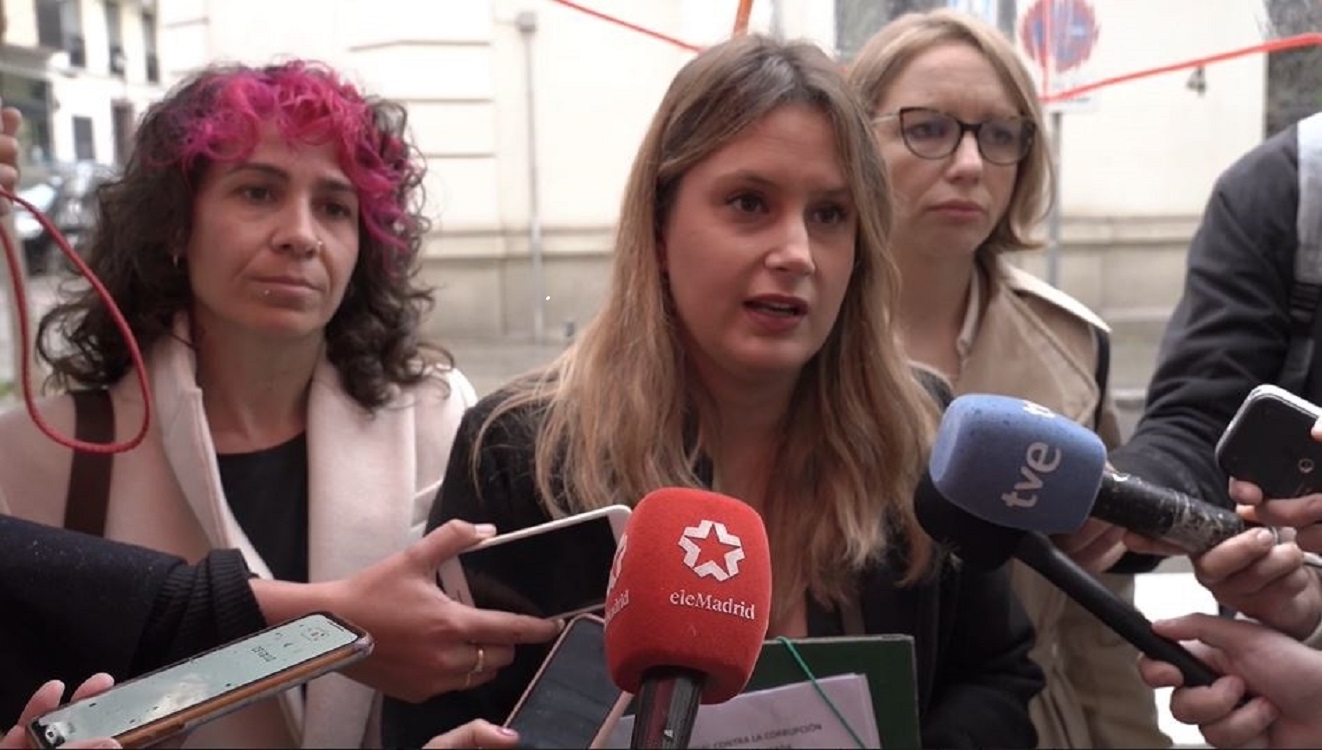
(21, 303)
(631, 26)
(1275, 45)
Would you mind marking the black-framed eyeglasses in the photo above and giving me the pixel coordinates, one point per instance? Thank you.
(933, 134)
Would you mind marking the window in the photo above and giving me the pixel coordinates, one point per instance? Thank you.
(121, 119)
(1294, 76)
(115, 36)
(149, 44)
(32, 97)
(857, 20)
(84, 148)
(50, 28)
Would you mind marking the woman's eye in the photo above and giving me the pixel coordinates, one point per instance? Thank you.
(830, 215)
(339, 210)
(747, 203)
(256, 193)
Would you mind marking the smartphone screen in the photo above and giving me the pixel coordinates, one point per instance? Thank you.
(560, 572)
(572, 696)
(227, 677)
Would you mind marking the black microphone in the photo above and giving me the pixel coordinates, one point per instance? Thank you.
(985, 545)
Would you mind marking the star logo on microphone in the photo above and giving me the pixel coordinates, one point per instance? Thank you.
(721, 571)
(617, 563)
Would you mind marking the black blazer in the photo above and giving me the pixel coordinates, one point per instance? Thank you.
(972, 638)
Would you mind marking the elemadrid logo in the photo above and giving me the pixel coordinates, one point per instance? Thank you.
(711, 568)
(617, 563)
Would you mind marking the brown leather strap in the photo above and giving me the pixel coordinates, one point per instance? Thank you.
(89, 477)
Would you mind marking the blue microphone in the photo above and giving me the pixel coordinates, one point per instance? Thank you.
(1014, 463)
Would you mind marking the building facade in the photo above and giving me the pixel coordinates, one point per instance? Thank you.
(530, 112)
(81, 71)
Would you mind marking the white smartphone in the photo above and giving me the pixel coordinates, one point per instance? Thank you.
(173, 699)
(571, 701)
(555, 569)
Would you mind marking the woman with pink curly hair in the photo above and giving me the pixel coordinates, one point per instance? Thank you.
(262, 243)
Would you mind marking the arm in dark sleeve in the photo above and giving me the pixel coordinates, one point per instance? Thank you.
(74, 605)
(502, 493)
(1230, 331)
(984, 678)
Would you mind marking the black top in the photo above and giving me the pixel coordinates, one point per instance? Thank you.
(75, 605)
(268, 492)
(1231, 329)
(971, 637)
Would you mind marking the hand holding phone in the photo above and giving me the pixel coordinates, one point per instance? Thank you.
(150, 708)
(1269, 442)
(572, 700)
(552, 570)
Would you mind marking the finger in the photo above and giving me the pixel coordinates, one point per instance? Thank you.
(46, 699)
(1242, 727)
(503, 628)
(1207, 704)
(1222, 633)
(1232, 556)
(1245, 493)
(1316, 431)
(1297, 512)
(1136, 542)
(94, 685)
(1280, 571)
(1309, 538)
(450, 539)
(10, 121)
(1159, 674)
(476, 733)
(463, 658)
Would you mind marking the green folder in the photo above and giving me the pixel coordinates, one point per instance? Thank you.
(887, 661)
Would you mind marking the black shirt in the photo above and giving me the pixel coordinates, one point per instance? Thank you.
(268, 492)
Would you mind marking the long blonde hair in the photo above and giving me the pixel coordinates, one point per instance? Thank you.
(891, 49)
(620, 412)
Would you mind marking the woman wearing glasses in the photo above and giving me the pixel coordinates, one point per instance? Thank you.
(958, 125)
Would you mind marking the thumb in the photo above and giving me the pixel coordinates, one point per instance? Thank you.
(450, 539)
(10, 120)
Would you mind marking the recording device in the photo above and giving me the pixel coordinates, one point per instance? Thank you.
(555, 569)
(1268, 443)
(687, 608)
(571, 701)
(177, 698)
(1037, 470)
(985, 545)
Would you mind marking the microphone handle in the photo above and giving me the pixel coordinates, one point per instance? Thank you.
(667, 707)
(1135, 504)
(1036, 551)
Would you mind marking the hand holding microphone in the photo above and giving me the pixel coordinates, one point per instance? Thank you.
(687, 608)
(1004, 472)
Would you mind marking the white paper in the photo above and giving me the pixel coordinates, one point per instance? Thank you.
(790, 716)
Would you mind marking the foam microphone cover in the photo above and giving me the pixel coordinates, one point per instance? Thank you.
(690, 588)
(1014, 463)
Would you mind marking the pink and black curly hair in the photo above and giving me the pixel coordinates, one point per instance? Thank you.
(146, 216)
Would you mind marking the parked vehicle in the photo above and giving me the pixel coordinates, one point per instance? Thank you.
(66, 194)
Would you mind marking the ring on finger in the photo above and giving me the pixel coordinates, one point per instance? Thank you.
(481, 663)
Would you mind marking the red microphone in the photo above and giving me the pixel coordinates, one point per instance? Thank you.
(687, 607)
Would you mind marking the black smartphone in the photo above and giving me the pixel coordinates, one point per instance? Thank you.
(556, 569)
(572, 701)
(173, 699)
(1269, 444)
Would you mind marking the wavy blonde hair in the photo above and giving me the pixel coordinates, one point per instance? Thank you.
(621, 413)
(885, 56)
